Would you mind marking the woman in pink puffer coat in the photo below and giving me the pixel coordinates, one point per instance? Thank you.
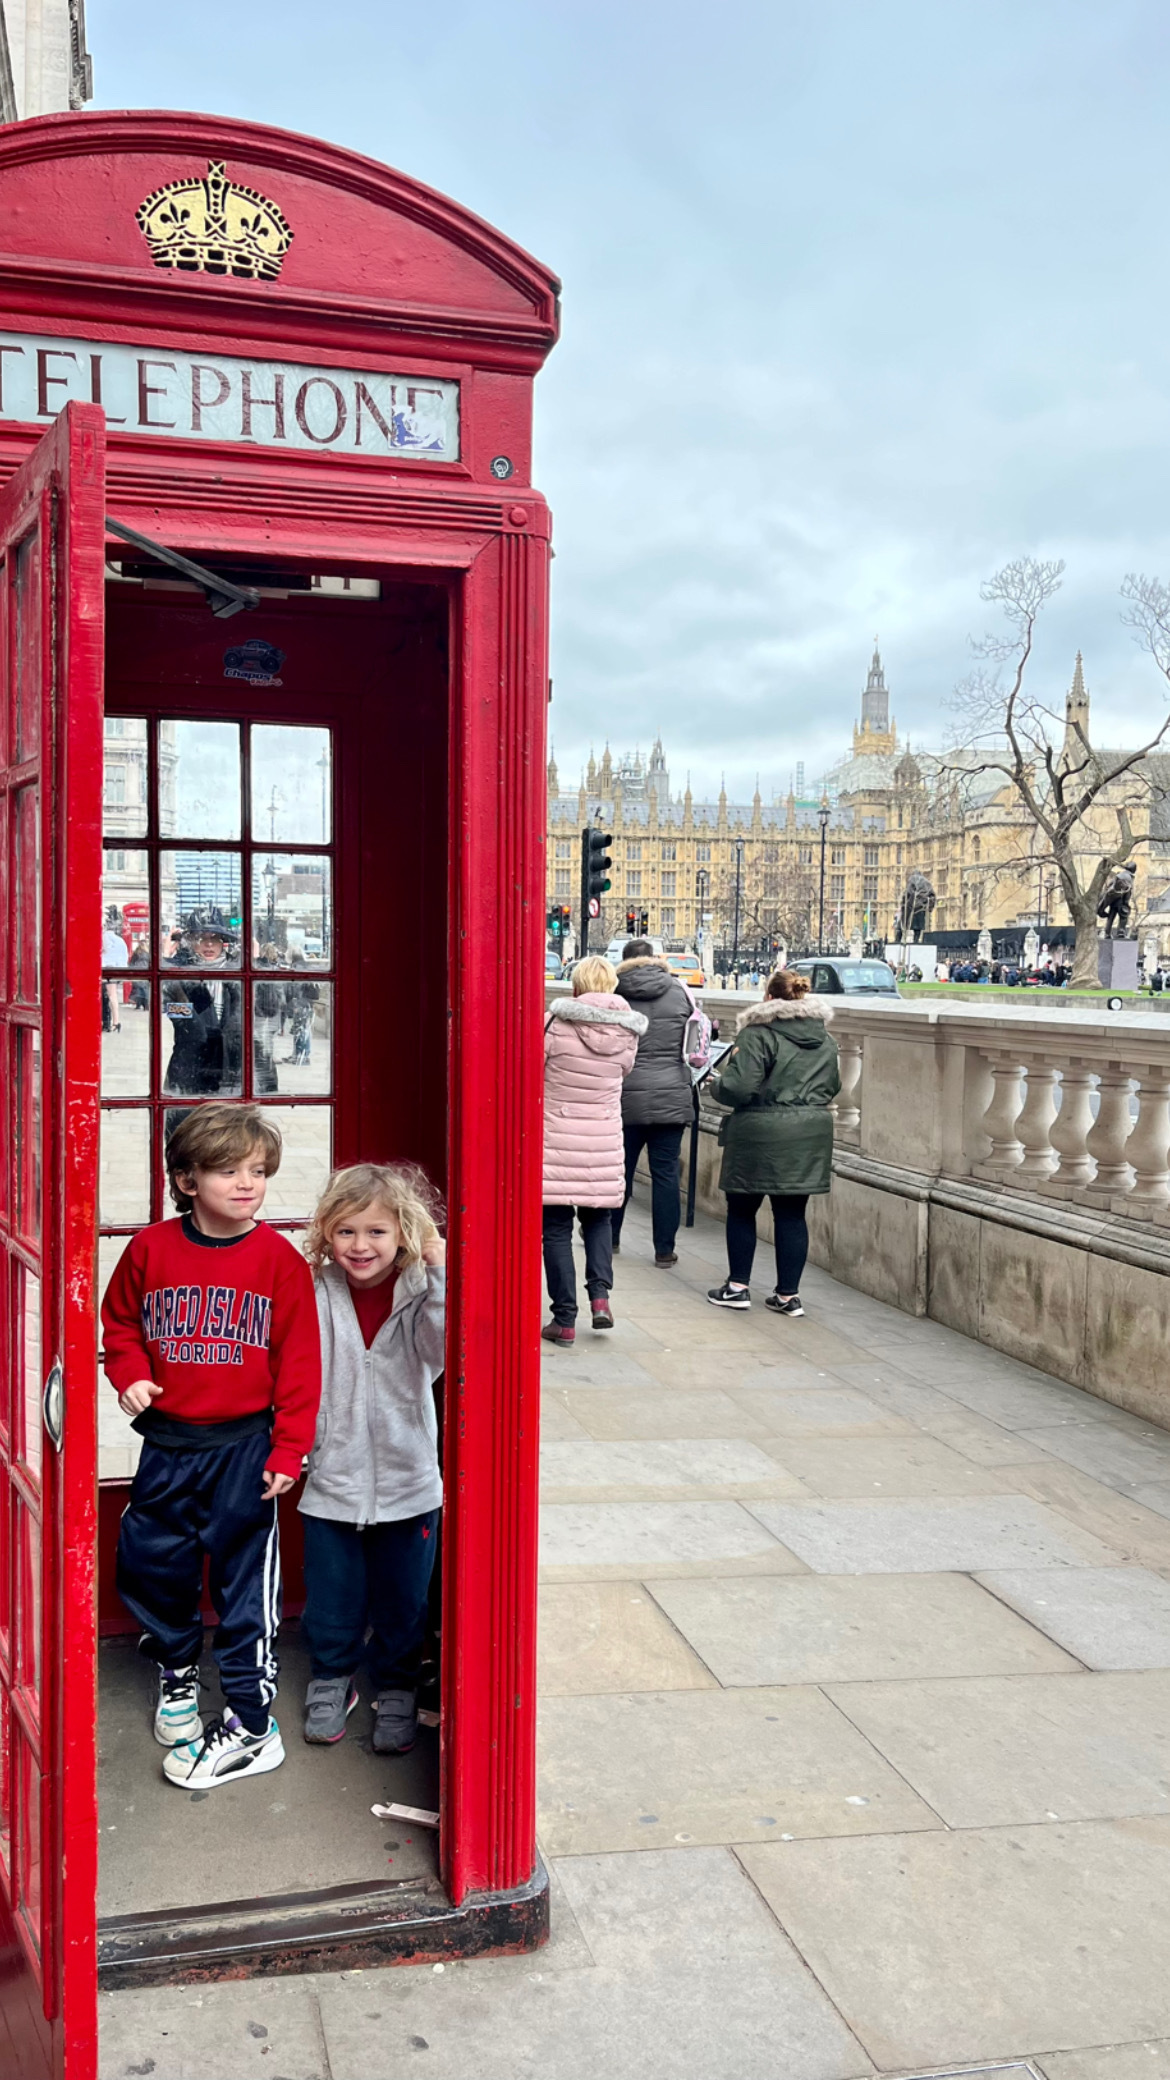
(590, 1041)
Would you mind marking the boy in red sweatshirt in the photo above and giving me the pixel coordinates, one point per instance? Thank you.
(212, 1343)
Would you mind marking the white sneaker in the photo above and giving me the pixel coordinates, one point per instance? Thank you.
(226, 1751)
(176, 1712)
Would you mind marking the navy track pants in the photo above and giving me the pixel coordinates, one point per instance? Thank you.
(369, 1575)
(184, 1504)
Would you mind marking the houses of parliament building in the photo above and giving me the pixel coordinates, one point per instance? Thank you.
(888, 811)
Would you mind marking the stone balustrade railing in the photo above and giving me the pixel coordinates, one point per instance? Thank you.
(1006, 1169)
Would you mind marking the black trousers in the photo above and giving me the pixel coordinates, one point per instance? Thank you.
(375, 1575)
(662, 1145)
(791, 1229)
(559, 1268)
(185, 1503)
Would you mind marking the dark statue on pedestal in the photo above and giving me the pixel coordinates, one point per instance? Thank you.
(1116, 899)
(917, 903)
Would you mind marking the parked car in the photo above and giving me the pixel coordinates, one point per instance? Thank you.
(553, 965)
(688, 968)
(833, 977)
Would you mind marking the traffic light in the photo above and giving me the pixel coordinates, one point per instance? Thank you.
(645, 923)
(595, 865)
(631, 922)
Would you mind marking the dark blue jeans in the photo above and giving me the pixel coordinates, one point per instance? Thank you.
(559, 1269)
(789, 1228)
(662, 1145)
(372, 1576)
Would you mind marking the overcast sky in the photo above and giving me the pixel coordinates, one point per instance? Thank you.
(862, 299)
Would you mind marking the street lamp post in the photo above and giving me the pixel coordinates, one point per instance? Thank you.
(824, 813)
(739, 843)
(702, 893)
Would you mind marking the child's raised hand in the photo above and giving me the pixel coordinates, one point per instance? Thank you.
(435, 1252)
(138, 1397)
(276, 1484)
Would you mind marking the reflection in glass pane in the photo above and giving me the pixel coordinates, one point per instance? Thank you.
(33, 1368)
(199, 909)
(199, 779)
(126, 1043)
(124, 1195)
(124, 782)
(26, 921)
(202, 1035)
(125, 909)
(291, 785)
(28, 1597)
(305, 1163)
(291, 916)
(28, 1780)
(5, 1767)
(292, 1037)
(23, 605)
(26, 1134)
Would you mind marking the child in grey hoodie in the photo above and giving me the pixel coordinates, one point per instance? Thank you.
(371, 1501)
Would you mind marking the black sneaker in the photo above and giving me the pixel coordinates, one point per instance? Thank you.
(791, 1307)
(728, 1295)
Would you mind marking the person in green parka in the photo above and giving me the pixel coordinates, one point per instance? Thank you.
(779, 1081)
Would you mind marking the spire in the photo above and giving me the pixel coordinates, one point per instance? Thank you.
(875, 701)
(1076, 718)
(554, 782)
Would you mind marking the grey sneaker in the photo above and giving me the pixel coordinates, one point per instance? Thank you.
(395, 1722)
(328, 1704)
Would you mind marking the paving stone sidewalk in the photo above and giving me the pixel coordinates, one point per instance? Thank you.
(855, 1748)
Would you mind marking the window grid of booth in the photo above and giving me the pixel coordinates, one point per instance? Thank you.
(218, 950)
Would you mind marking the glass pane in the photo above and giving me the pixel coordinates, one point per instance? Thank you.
(291, 917)
(26, 886)
(26, 647)
(199, 779)
(26, 1130)
(124, 1197)
(199, 909)
(292, 1037)
(27, 1671)
(28, 1779)
(125, 909)
(201, 1043)
(305, 1163)
(126, 1039)
(5, 1780)
(32, 1370)
(124, 782)
(291, 785)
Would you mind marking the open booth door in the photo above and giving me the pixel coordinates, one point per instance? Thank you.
(52, 526)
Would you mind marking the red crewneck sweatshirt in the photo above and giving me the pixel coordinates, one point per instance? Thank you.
(225, 1329)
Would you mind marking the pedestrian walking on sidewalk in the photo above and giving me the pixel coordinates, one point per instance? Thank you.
(779, 1081)
(590, 1041)
(658, 1098)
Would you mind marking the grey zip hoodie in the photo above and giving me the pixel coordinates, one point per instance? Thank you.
(374, 1460)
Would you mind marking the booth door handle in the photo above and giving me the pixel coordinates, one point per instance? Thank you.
(53, 1405)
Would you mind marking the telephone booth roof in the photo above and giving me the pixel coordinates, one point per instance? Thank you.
(232, 244)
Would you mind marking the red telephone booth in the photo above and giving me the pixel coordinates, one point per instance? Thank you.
(273, 561)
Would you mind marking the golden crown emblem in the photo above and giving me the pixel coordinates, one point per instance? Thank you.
(215, 226)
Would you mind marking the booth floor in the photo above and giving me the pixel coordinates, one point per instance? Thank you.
(303, 1827)
(855, 1729)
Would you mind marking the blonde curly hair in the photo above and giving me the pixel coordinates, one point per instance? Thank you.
(402, 1188)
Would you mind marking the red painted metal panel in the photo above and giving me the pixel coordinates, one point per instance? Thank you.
(52, 520)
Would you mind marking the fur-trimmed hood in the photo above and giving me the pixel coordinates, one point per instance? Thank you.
(775, 1008)
(598, 1008)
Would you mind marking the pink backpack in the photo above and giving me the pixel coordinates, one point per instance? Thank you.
(696, 1039)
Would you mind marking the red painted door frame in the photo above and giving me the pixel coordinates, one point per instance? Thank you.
(52, 531)
(382, 274)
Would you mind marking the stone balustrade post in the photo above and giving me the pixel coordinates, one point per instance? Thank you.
(1033, 1125)
(849, 1098)
(1148, 1147)
(1074, 1123)
(999, 1120)
(1106, 1140)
